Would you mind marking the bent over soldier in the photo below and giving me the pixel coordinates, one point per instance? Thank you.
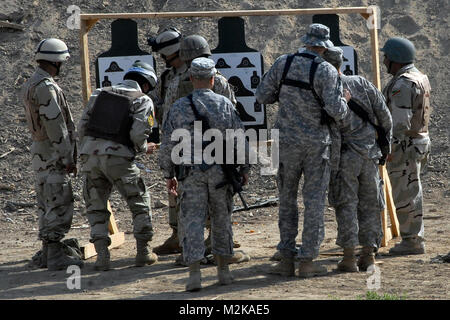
(201, 188)
(53, 152)
(307, 90)
(114, 127)
(408, 98)
(356, 189)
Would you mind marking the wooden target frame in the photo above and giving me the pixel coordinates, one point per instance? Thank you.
(88, 20)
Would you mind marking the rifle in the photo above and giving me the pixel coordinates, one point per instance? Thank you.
(232, 175)
(382, 140)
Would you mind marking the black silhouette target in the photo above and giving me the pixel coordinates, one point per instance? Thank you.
(243, 68)
(112, 65)
(350, 65)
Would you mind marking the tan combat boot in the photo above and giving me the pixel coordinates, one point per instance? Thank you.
(57, 259)
(239, 257)
(408, 246)
(366, 258)
(171, 245)
(285, 267)
(223, 271)
(103, 255)
(307, 269)
(143, 255)
(195, 277)
(348, 263)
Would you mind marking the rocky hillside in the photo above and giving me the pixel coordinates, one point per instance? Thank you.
(424, 23)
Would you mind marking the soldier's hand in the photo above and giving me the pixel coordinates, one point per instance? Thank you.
(347, 95)
(172, 185)
(389, 158)
(151, 147)
(244, 179)
(71, 168)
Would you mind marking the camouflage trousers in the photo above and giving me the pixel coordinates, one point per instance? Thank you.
(358, 197)
(313, 163)
(55, 204)
(198, 197)
(408, 156)
(103, 172)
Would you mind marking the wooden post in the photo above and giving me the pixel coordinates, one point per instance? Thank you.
(393, 231)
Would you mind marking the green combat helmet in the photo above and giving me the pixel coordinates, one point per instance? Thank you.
(194, 46)
(399, 50)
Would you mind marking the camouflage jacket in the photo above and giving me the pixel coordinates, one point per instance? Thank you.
(357, 133)
(50, 122)
(181, 86)
(298, 118)
(142, 115)
(218, 110)
(158, 94)
(408, 98)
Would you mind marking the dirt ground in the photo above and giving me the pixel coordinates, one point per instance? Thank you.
(420, 277)
(409, 277)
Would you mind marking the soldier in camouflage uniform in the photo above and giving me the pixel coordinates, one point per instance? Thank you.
(198, 189)
(408, 99)
(53, 152)
(167, 44)
(356, 189)
(192, 47)
(304, 146)
(107, 158)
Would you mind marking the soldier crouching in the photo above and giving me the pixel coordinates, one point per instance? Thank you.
(114, 127)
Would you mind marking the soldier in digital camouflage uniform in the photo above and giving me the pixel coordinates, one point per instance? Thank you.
(53, 152)
(197, 191)
(356, 189)
(408, 98)
(192, 47)
(107, 158)
(167, 44)
(304, 146)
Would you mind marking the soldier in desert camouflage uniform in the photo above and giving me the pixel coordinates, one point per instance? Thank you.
(304, 145)
(53, 152)
(114, 127)
(408, 99)
(356, 189)
(198, 190)
(167, 44)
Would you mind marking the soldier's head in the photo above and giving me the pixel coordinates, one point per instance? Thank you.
(201, 72)
(167, 44)
(335, 56)
(143, 74)
(398, 52)
(50, 54)
(192, 47)
(317, 38)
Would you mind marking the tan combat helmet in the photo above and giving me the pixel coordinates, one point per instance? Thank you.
(53, 50)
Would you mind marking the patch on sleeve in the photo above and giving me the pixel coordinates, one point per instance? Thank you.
(150, 120)
(395, 92)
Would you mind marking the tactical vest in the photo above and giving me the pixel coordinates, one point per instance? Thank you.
(420, 119)
(110, 116)
(38, 132)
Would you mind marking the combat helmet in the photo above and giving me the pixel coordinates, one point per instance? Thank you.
(167, 42)
(194, 46)
(142, 71)
(399, 50)
(52, 50)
